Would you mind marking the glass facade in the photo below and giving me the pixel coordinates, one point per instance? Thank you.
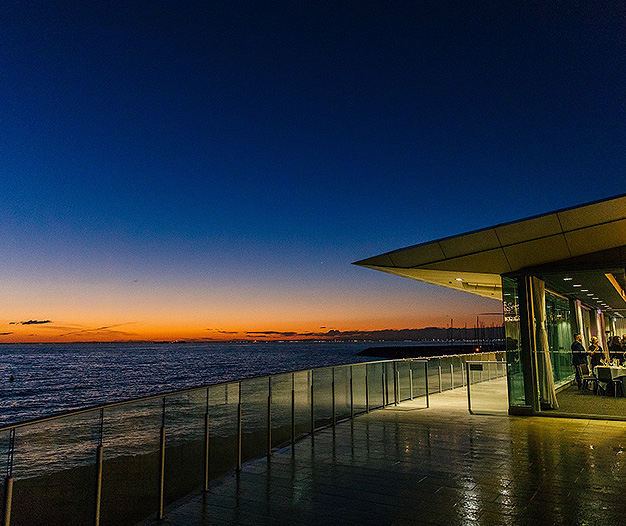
(559, 327)
(510, 297)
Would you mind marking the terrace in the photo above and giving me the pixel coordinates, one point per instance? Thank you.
(122, 463)
(409, 465)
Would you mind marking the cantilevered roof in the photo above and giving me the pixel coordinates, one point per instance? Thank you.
(473, 262)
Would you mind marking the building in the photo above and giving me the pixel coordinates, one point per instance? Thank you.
(557, 274)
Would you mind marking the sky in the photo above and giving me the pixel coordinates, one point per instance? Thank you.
(209, 170)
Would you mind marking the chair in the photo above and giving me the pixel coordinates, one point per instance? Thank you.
(586, 377)
(604, 376)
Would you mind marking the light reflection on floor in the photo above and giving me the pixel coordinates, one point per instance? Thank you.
(438, 466)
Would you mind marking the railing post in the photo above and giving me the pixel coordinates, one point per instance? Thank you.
(367, 391)
(396, 383)
(162, 465)
(99, 458)
(463, 371)
(411, 380)
(440, 386)
(269, 417)
(351, 396)
(469, 398)
(239, 422)
(384, 383)
(333, 393)
(8, 481)
(312, 406)
(293, 408)
(451, 376)
(426, 382)
(206, 443)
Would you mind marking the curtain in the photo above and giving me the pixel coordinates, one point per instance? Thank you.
(580, 323)
(547, 394)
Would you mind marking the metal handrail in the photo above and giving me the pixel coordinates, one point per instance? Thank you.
(161, 394)
(385, 401)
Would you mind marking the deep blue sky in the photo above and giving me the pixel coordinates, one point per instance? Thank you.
(257, 148)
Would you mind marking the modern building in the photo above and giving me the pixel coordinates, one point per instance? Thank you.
(557, 274)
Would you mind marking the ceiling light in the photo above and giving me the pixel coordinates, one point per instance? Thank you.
(584, 290)
(568, 279)
(590, 294)
(459, 279)
(594, 298)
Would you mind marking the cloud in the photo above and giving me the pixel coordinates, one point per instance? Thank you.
(104, 328)
(5, 333)
(223, 332)
(29, 322)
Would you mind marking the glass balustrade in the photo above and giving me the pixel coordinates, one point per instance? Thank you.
(121, 463)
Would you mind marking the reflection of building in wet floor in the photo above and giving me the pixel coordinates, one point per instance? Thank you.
(439, 466)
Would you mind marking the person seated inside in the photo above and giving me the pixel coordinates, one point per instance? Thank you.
(596, 354)
(615, 349)
(579, 357)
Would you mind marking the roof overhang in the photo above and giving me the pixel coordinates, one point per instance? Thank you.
(588, 238)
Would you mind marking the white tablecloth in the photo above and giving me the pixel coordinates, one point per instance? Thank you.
(616, 372)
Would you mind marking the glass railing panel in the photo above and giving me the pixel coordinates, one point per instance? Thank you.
(403, 380)
(223, 437)
(342, 392)
(254, 407)
(487, 388)
(375, 385)
(184, 443)
(358, 388)
(456, 368)
(131, 468)
(418, 376)
(322, 396)
(4, 468)
(434, 378)
(302, 387)
(281, 409)
(390, 382)
(447, 367)
(54, 471)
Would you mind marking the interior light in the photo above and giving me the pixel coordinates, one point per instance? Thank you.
(568, 279)
(594, 298)
(576, 285)
(459, 279)
(584, 290)
(590, 294)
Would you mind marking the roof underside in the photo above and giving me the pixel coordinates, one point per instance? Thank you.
(589, 238)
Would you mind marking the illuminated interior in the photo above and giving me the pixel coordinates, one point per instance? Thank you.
(557, 274)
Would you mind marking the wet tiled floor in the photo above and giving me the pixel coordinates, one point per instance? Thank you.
(438, 466)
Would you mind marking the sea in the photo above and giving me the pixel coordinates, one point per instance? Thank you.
(41, 380)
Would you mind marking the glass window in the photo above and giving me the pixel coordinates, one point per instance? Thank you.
(510, 303)
(559, 328)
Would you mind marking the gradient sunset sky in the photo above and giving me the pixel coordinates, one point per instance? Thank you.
(176, 170)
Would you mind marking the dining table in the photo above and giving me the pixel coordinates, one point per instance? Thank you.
(617, 371)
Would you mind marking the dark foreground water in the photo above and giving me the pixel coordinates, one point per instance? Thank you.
(55, 378)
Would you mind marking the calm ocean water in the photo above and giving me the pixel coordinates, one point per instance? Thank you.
(55, 378)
